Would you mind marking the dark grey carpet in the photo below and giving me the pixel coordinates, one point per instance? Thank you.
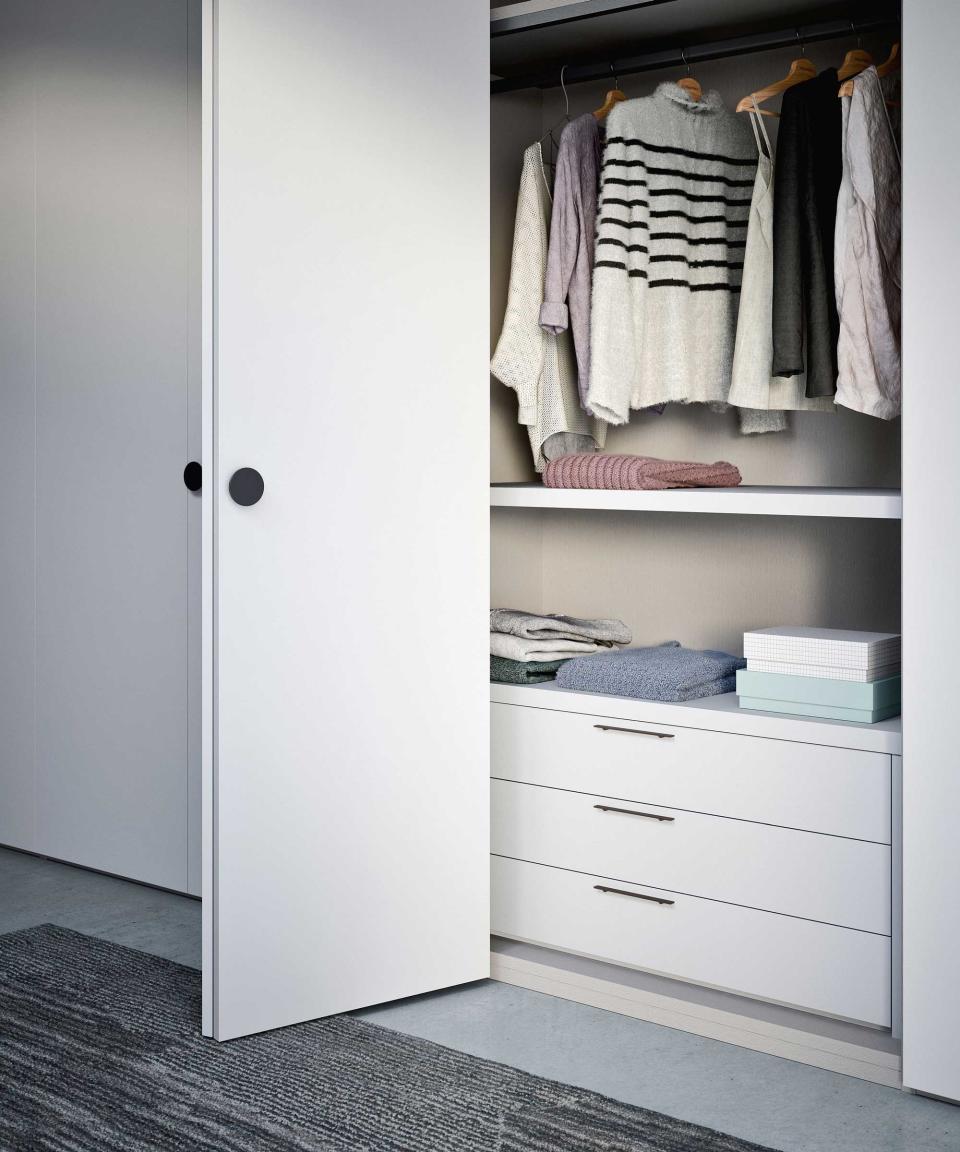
(100, 1049)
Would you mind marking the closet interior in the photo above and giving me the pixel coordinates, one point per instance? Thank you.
(761, 850)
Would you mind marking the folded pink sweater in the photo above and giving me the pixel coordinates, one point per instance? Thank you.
(598, 470)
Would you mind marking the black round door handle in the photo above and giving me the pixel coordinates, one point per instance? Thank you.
(246, 486)
(193, 476)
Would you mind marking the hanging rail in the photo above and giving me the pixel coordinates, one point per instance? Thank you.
(673, 57)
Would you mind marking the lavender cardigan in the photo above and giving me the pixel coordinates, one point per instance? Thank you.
(566, 301)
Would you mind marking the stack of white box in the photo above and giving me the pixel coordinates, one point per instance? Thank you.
(823, 672)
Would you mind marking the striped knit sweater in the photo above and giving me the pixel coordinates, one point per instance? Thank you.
(675, 192)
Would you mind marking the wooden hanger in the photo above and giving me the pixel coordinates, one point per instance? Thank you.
(688, 83)
(613, 97)
(892, 62)
(855, 61)
(801, 69)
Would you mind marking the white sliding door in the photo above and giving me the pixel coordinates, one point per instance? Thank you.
(99, 413)
(349, 804)
(931, 561)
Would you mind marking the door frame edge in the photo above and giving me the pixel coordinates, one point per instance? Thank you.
(208, 531)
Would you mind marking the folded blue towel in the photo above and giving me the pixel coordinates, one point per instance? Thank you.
(666, 672)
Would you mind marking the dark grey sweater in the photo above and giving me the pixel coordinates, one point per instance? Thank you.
(806, 183)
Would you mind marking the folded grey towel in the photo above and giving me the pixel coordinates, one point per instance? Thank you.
(533, 626)
(522, 672)
(667, 672)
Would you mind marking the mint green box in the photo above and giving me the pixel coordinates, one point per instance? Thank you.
(877, 696)
(821, 711)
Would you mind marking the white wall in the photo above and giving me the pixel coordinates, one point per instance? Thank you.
(17, 432)
(98, 227)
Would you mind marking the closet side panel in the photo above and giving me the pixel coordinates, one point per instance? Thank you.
(113, 188)
(17, 428)
(931, 559)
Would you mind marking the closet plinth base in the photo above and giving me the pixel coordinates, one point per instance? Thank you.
(806, 1047)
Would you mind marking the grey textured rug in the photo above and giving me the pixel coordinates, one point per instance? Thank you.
(100, 1050)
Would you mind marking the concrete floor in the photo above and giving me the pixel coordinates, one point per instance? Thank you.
(36, 891)
(774, 1102)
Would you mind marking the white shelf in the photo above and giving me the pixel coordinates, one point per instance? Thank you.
(859, 503)
(715, 714)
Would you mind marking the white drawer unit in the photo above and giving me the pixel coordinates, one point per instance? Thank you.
(819, 967)
(813, 787)
(826, 878)
(652, 836)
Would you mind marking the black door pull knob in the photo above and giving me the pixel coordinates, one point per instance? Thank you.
(193, 476)
(246, 486)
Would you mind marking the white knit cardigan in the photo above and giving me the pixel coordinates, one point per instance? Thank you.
(675, 195)
(539, 365)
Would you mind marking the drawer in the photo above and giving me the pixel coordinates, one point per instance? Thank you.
(839, 881)
(800, 963)
(839, 791)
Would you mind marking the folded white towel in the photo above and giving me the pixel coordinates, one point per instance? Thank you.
(524, 649)
(536, 626)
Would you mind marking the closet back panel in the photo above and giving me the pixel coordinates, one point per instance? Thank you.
(100, 248)
(705, 580)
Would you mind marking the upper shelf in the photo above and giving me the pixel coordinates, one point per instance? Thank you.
(857, 503)
(531, 40)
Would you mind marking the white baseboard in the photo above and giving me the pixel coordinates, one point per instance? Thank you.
(774, 1039)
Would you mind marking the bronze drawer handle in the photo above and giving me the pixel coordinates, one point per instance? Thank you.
(634, 812)
(634, 731)
(635, 895)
